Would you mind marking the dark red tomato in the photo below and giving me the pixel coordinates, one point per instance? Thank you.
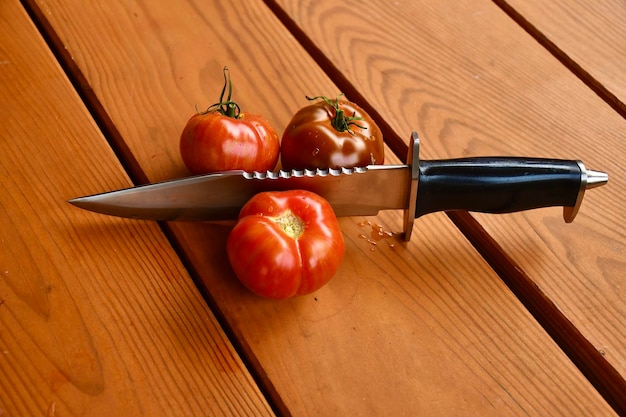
(285, 243)
(224, 138)
(331, 134)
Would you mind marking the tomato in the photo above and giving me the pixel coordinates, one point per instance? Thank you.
(285, 243)
(214, 142)
(224, 138)
(331, 134)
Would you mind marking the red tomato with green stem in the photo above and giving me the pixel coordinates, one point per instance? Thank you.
(224, 138)
(331, 134)
(285, 244)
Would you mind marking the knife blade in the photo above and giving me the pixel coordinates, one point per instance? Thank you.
(481, 184)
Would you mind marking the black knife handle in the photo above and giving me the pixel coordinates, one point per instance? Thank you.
(496, 185)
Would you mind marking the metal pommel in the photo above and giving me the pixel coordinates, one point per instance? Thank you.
(588, 179)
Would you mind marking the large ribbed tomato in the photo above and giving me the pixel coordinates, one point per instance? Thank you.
(285, 243)
(224, 138)
(331, 134)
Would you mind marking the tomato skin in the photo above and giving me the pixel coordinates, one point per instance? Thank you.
(274, 264)
(212, 142)
(311, 141)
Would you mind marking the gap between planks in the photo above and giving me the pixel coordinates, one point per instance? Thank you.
(596, 86)
(604, 378)
(607, 381)
(137, 177)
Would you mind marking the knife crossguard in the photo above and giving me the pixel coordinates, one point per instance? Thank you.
(413, 160)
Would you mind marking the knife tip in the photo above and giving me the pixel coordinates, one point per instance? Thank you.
(74, 201)
(80, 202)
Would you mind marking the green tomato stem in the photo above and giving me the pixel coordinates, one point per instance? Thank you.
(226, 107)
(340, 121)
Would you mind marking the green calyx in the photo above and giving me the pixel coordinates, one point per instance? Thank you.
(225, 107)
(340, 121)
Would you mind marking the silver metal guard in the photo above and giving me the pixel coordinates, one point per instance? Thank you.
(413, 160)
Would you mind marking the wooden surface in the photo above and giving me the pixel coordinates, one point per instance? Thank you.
(588, 37)
(423, 328)
(478, 98)
(98, 317)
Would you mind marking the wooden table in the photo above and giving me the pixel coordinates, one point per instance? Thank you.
(478, 315)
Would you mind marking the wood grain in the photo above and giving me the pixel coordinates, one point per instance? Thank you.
(589, 38)
(473, 83)
(424, 328)
(98, 316)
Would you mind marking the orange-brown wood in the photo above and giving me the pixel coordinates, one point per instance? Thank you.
(98, 317)
(424, 328)
(472, 82)
(590, 38)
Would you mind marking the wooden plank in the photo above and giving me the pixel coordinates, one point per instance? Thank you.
(589, 38)
(473, 83)
(97, 317)
(419, 328)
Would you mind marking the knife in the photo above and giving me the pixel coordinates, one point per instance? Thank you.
(480, 184)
